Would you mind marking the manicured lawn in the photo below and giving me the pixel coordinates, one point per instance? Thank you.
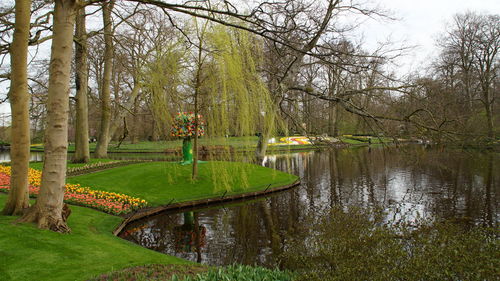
(238, 143)
(28, 253)
(160, 146)
(160, 182)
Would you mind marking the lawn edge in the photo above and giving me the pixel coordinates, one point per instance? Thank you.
(145, 212)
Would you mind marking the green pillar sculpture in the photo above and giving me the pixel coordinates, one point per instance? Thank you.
(187, 151)
(184, 127)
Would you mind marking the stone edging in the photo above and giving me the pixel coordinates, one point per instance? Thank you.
(201, 202)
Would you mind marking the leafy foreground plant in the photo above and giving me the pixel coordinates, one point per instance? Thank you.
(356, 245)
(240, 273)
(195, 273)
(151, 272)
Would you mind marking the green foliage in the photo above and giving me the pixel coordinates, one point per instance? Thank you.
(240, 273)
(239, 99)
(162, 79)
(151, 272)
(356, 245)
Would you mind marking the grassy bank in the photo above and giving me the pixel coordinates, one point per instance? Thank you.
(238, 143)
(161, 183)
(28, 253)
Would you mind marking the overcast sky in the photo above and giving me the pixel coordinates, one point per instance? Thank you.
(419, 24)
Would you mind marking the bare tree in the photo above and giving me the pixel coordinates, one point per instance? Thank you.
(487, 42)
(47, 212)
(82, 152)
(101, 150)
(18, 198)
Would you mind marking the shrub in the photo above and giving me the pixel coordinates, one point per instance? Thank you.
(356, 245)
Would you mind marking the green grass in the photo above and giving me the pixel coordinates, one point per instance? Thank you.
(160, 182)
(160, 146)
(238, 143)
(28, 253)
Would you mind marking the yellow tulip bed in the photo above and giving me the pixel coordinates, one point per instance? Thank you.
(109, 202)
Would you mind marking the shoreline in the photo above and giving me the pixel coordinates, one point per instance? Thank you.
(146, 212)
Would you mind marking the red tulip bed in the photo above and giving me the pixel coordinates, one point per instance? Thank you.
(109, 202)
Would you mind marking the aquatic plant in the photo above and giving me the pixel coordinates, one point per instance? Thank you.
(355, 244)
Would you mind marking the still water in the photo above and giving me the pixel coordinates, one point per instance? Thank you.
(409, 184)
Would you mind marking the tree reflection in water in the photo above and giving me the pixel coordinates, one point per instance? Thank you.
(408, 183)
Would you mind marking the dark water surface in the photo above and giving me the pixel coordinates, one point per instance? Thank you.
(409, 184)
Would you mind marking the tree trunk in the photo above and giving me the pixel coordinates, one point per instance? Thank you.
(134, 134)
(332, 119)
(48, 209)
(101, 150)
(82, 153)
(126, 109)
(18, 198)
(489, 115)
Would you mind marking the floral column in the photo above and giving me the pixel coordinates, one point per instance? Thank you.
(183, 127)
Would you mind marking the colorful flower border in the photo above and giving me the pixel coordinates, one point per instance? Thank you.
(109, 202)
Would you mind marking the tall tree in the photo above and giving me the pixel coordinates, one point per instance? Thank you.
(488, 46)
(18, 198)
(82, 152)
(47, 211)
(101, 150)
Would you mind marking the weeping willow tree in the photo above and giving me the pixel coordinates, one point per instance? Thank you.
(162, 82)
(218, 78)
(238, 102)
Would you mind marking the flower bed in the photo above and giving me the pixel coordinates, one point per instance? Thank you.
(109, 202)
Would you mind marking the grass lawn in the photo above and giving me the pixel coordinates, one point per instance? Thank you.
(239, 143)
(160, 182)
(160, 146)
(28, 253)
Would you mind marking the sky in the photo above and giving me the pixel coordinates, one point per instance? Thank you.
(418, 23)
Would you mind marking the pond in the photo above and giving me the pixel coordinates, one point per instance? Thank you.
(408, 184)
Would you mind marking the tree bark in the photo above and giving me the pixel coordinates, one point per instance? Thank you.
(134, 134)
(82, 152)
(101, 150)
(126, 109)
(488, 108)
(48, 209)
(18, 198)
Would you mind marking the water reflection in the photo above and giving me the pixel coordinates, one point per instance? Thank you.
(409, 184)
(34, 156)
